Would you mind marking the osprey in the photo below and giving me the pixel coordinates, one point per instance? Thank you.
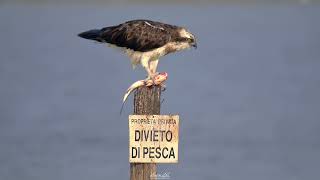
(144, 41)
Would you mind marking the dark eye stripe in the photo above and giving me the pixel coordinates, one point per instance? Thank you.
(181, 39)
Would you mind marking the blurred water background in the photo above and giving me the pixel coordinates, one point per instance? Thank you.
(248, 97)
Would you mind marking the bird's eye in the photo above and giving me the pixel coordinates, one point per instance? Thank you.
(191, 40)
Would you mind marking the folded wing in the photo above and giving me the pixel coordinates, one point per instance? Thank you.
(138, 35)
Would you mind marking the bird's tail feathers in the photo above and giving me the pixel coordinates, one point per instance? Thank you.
(93, 34)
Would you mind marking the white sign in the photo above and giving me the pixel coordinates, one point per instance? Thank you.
(153, 138)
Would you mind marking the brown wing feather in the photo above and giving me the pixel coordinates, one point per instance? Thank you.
(139, 35)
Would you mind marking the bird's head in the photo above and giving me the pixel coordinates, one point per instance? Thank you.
(187, 38)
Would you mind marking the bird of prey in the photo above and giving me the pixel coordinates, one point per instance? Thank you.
(144, 41)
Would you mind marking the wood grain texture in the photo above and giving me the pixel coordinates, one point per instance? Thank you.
(146, 101)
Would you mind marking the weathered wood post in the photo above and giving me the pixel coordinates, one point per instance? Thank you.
(146, 102)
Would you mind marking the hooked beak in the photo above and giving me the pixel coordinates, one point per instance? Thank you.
(194, 45)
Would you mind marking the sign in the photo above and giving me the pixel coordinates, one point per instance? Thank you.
(153, 138)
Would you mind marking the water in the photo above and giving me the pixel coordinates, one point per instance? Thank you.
(248, 97)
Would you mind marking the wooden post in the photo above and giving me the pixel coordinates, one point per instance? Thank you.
(146, 102)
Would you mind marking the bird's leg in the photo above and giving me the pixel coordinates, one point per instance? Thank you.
(145, 65)
(153, 68)
(154, 78)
